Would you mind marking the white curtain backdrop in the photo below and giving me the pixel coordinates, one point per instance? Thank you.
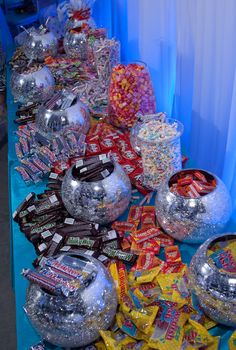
(189, 47)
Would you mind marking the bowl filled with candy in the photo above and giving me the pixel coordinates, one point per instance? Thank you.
(70, 298)
(39, 44)
(34, 83)
(76, 44)
(96, 189)
(213, 278)
(64, 111)
(193, 205)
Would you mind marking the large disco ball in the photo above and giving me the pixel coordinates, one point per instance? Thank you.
(38, 46)
(35, 85)
(100, 201)
(74, 321)
(76, 45)
(55, 120)
(214, 288)
(193, 220)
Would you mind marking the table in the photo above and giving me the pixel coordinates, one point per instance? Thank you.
(23, 252)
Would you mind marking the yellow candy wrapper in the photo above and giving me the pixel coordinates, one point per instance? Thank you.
(143, 276)
(142, 318)
(119, 274)
(128, 327)
(214, 345)
(174, 282)
(168, 331)
(232, 341)
(196, 334)
(116, 341)
(100, 345)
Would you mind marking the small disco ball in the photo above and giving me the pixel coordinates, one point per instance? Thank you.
(193, 220)
(214, 288)
(100, 201)
(76, 320)
(34, 85)
(51, 121)
(38, 46)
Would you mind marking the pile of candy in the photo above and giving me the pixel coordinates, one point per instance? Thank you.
(18, 60)
(192, 183)
(130, 93)
(38, 154)
(60, 277)
(155, 302)
(104, 138)
(159, 143)
(107, 55)
(66, 71)
(222, 254)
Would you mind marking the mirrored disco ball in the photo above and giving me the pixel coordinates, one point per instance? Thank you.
(38, 46)
(101, 201)
(76, 45)
(74, 321)
(193, 220)
(214, 288)
(35, 85)
(58, 119)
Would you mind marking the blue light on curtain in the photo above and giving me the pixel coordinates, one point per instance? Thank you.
(189, 48)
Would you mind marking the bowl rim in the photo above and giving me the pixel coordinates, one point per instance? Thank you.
(167, 120)
(116, 165)
(213, 267)
(193, 169)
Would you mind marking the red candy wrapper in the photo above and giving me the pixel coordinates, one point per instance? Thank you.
(172, 254)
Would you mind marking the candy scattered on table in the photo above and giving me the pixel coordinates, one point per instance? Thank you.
(159, 143)
(192, 183)
(130, 93)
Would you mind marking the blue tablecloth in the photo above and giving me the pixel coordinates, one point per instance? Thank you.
(23, 252)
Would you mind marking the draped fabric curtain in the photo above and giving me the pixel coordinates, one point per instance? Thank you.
(189, 47)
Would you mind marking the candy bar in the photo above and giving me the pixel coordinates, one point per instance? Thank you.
(119, 254)
(26, 202)
(24, 174)
(55, 245)
(86, 242)
(145, 234)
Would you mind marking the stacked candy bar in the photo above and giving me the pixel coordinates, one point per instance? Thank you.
(26, 113)
(192, 183)
(60, 276)
(38, 154)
